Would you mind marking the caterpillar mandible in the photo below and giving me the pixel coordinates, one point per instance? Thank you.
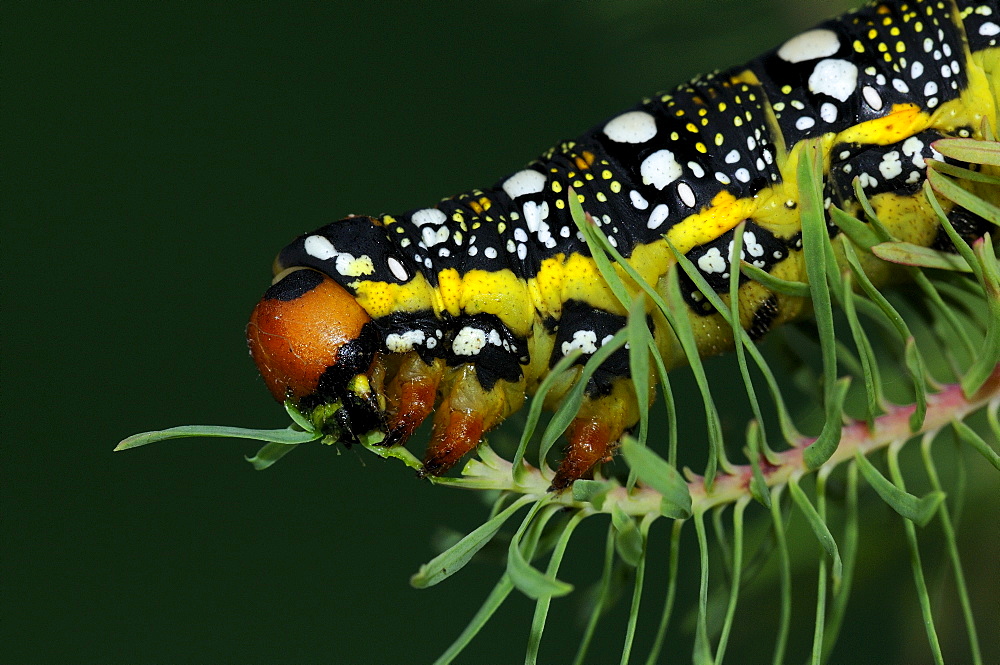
(461, 309)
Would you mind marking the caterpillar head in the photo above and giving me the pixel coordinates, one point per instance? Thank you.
(316, 346)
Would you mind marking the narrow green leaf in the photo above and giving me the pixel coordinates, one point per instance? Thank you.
(949, 189)
(542, 605)
(818, 526)
(283, 436)
(908, 254)
(592, 491)
(952, 542)
(917, 510)
(535, 411)
(600, 603)
(656, 472)
(452, 560)
(975, 151)
(923, 596)
(758, 485)
(269, 454)
(785, 567)
(861, 234)
(640, 575)
(815, 241)
(628, 540)
(500, 592)
(734, 584)
(529, 580)
(977, 442)
(963, 173)
(668, 601)
(776, 284)
(297, 416)
(820, 450)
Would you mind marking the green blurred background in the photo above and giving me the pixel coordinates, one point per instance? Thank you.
(158, 156)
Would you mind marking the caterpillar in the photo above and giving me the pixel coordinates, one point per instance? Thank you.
(460, 309)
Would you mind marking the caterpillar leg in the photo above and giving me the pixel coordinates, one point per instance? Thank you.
(466, 412)
(595, 432)
(410, 396)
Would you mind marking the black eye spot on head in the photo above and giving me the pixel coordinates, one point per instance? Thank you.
(294, 285)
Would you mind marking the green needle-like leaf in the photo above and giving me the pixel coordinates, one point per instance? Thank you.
(287, 436)
(819, 528)
(654, 471)
(454, 559)
(918, 510)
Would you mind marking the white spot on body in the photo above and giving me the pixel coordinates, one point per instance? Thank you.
(872, 98)
(696, 169)
(431, 236)
(804, 123)
(490, 252)
(989, 29)
(351, 266)
(631, 127)
(916, 70)
(403, 342)
(585, 340)
(687, 195)
(810, 45)
(638, 202)
(712, 262)
(524, 182)
(837, 78)
(742, 175)
(660, 169)
(397, 269)
(468, 342)
(828, 112)
(657, 217)
(890, 166)
(428, 216)
(732, 156)
(900, 85)
(319, 247)
(751, 244)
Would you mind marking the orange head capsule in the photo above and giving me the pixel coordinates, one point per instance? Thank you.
(315, 345)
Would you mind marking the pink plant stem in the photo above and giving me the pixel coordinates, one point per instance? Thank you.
(942, 408)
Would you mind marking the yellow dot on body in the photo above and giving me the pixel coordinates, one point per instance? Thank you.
(578, 183)
(894, 32)
(702, 111)
(786, 89)
(900, 47)
(918, 26)
(882, 47)
(606, 174)
(589, 176)
(700, 147)
(476, 225)
(691, 128)
(674, 136)
(601, 197)
(719, 138)
(501, 227)
(581, 198)
(738, 121)
(560, 204)
(887, 57)
(858, 46)
(556, 186)
(616, 186)
(873, 33)
(722, 106)
(704, 122)
(571, 174)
